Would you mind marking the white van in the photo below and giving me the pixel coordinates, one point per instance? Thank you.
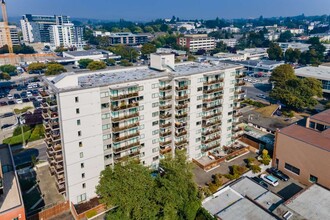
(269, 179)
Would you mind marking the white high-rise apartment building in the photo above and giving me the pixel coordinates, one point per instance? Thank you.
(100, 118)
(13, 35)
(66, 35)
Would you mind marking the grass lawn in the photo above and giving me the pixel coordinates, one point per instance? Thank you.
(268, 110)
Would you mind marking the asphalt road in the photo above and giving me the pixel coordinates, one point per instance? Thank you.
(252, 90)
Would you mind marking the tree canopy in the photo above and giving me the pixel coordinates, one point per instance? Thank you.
(275, 52)
(173, 195)
(292, 55)
(292, 91)
(96, 65)
(54, 69)
(36, 67)
(285, 36)
(124, 51)
(7, 68)
(148, 48)
(83, 63)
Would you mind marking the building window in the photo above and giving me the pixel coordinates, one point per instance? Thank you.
(140, 88)
(292, 168)
(106, 127)
(81, 154)
(141, 108)
(155, 132)
(155, 114)
(81, 198)
(155, 95)
(154, 123)
(155, 85)
(79, 133)
(83, 175)
(76, 99)
(155, 158)
(199, 97)
(199, 89)
(199, 106)
(313, 179)
(156, 149)
(106, 136)
(78, 122)
(83, 185)
(156, 104)
(77, 111)
(141, 127)
(80, 144)
(198, 123)
(104, 105)
(154, 141)
(105, 116)
(198, 139)
(104, 94)
(82, 165)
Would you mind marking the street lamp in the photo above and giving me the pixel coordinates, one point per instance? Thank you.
(21, 125)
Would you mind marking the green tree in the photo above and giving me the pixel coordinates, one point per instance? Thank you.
(96, 65)
(125, 63)
(281, 74)
(125, 52)
(148, 48)
(148, 29)
(110, 62)
(37, 67)
(275, 52)
(285, 36)
(131, 188)
(292, 55)
(8, 68)
(83, 63)
(5, 76)
(60, 49)
(54, 69)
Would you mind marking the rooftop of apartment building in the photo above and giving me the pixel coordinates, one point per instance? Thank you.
(322, 117)
(253, 50)
(243, 199)
(11, 197)
(320, 139)
(73, 81)
(312, 203)
(196, 35)
(87, 52)
(320, 72)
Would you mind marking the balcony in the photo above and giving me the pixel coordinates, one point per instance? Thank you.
(240, 84)
(237, 107)
(239, 100)
(240, 76)
(238, 92)
(211, 107)
(124, 106)
(60, 188)
(55, 137)
(165, 88)
(183, 97)
(164, 143)
(211, 115)
(178, 116)
(58, 158)
(58, 169)
(213, 99)
(209, 124)
(116, 150)
(211, 147)
(211, 139)
(215, 81)
(179, 88)
(125, 117)
(165, 133)
(57, 148)
(180, 125)
(122, 128)
(165, 151)
(181, 133)
(211, 131)
(165, 116)
(163, 98)
(125, 137)
(165, 125)
(180, 144)
(164, 107)
(238, 114)
(213, 90)
(179, 107)
(51, 103)
(125, 96)
(132, 154)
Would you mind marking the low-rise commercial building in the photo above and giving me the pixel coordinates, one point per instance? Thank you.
(321, 73)
(254, 53)
(11, 201)
(294, 45)
(263, 66)
(96, 55)
(126, 38)
(303, 152)
(229, 56)
(232, 42)
(197, 42)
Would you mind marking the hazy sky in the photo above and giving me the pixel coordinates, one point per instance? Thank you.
(151, 9)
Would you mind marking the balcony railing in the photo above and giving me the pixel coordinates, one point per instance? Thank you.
(122, 128)
(179, 134)
(240, 76)
(211, 131)
(212, 99)
(180, 125)
(213, 90)
(209, 124)
(178, 88)
(239, 100)
(240, 84)
(116, 150)
(181, 97)
(211, 139)
(118, 139)
(211, 116)
(164, 88)
(178, 116)
(178, 107)
(165, 125)
(239, 114)
(164, 143)
(213, 81)
(211, 147)
(163, 98)
(211, 107)
(124, 106)
(125, 117)
(125, 96)
(164, 134)
(164, 107)
(166, 150)
(180, 143)
(238, 92)
(164, 116)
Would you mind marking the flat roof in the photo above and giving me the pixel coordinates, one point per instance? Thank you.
(313, 203)
(86, 52)
(320, 72)
(322, 116)
(269, 200)
(67, 81)
(249, 188)
(308, 135)
(244, 209)
(11, 197)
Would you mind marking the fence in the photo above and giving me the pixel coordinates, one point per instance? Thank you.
(84, 215)
(51, 212)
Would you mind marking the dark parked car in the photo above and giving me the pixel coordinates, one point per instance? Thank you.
(25, 100)
(3, 103)
(32, 99)
(260, 182)
(17, 96)
(277, 173)
(11, 102)
(6, 126)
(23, 95)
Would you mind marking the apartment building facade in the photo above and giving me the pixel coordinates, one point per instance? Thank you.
(13, 35)
(303, 152)
(35, 28)
(66, 35)
(97, 119)
(126, 38)
(197, 42)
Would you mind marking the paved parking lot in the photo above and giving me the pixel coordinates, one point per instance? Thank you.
(287, 189)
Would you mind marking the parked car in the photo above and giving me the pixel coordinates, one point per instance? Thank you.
(10, 97)
(279, 174)
(32, 99)
(6, 126)
(260, 182)
(17, 96)
(29, 94)
(11, 102)
(23, 95)
(3, 103)
(25, 100)
(39, 98)
(19, 101)
(269, 179)
(261, 96)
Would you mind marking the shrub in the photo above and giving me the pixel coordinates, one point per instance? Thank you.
(37, 133)
(202, 214)
(91, 213)
(265, 158)
(17, 139)
(255, 169)
(213, 187)
(20, 111)
(18, 131)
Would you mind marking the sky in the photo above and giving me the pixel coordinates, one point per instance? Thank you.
(144, 10)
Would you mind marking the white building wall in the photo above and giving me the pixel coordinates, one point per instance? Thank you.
(91, 151)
